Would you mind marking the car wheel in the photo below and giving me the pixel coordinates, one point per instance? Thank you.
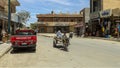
(34, 49)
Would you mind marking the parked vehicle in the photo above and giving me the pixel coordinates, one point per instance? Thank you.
(24, 39)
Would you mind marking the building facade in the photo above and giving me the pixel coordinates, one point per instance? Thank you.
(103, 15)
(86, 13)
(86, 19)
(49, 23)
(4, 14)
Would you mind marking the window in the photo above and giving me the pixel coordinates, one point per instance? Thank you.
(42, 29)
(42, 20)
(95, 6)
(25, 33)
(79, 20)
(72, 20)
(64, 20)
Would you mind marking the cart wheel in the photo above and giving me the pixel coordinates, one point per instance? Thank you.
(65, 48)
(54, 44)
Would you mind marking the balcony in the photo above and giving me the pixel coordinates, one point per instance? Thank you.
(3, 15)
(15, 2)
(57, 23)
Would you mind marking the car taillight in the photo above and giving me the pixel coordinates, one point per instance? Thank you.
(13, 39)
(34, 39)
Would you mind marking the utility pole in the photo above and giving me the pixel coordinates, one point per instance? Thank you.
(9, 17)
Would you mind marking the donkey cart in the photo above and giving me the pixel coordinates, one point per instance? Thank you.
(64, 41)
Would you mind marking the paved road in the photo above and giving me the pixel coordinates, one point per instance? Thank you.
(83, 53)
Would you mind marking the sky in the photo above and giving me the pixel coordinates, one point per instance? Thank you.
(46, 6)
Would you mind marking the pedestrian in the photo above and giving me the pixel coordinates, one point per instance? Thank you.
(103, 30)
(59, 34)
(78, 33)
(4, 36)
(118, 26)
(116, 31)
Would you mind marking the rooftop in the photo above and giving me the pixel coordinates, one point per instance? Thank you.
(59, 15)
(56, 23)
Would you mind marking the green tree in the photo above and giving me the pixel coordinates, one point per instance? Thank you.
(33, 26)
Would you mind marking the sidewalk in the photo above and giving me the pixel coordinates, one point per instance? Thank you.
(110, 39)
(51, 35)
(47, 34)
(4, 48)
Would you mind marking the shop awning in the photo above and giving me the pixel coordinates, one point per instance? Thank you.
(79, 25)
(117, 21)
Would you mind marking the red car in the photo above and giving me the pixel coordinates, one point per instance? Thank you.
(24, 39)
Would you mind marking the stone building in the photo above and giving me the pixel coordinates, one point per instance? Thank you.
(4, 13)
(86, 13)
(86, 18)
(49, 23)
(104, 13)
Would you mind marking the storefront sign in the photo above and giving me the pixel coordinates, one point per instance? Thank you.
(94, 15)
(116, 12)
(105, 13)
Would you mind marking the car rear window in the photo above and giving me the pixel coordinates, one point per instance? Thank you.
(25, 33)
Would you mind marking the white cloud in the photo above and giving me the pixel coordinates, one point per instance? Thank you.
(62, 2)
(29, 1)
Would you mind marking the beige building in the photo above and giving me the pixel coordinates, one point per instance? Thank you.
(49, 23)
(98, 5)
(104, 13)
(4, 13)
(111, 4)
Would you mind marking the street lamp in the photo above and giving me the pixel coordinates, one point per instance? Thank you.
(9, 17)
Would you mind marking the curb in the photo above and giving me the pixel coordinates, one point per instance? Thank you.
(5, 49)
(89, 38)
(47, 36)
(109, 39)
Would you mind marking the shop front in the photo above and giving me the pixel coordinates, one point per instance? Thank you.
(3, 24)
(95, 24)
(109, 20)
(116, 20)
(0, 29)
(106, 22)
(79, 29)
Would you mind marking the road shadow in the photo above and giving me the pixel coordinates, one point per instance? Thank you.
(22, 51)
(60, 47)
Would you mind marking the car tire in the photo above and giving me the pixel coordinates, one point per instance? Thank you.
(14, 49)
(34, 49)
